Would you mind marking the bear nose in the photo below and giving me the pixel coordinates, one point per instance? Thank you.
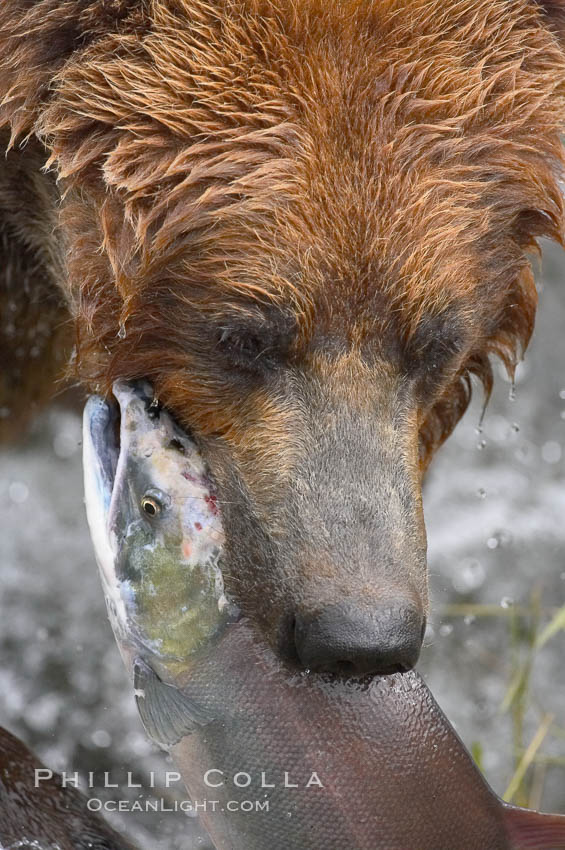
(356, 640)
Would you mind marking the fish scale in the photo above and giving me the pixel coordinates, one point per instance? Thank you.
(389, 761)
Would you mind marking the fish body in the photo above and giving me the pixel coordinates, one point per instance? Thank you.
(285, 760)
(395, 774)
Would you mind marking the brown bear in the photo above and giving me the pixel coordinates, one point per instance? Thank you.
(308, 224)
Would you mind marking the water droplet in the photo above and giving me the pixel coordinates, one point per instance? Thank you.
(515, 427)
(492, 543)
(122, 331)
(562, 393)
(506, 602)
(18, 492)
(101, 738)
(512, 392)
(445, 630)
(562, 414)
(481, 444)
(65, 445)
(469, 619)
(470, 575)
(551, 452)
(526, 453)
(481, 493)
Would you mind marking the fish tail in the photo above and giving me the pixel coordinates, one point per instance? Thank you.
(528, 830)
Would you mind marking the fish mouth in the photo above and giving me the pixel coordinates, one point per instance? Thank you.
(102, 441)
(102, 435)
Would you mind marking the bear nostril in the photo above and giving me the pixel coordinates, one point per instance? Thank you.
(286, 639)
(354, 640)
(344, 668)
(423, 632)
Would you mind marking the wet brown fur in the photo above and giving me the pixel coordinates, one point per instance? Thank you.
(421, 172)
(36, 330)
(255, 197)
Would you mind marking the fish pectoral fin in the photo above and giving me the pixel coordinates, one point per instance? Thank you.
(530, 830)
(166, 713)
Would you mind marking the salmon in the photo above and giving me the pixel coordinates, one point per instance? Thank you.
(275, 758)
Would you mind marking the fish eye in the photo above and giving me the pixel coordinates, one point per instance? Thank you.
(151, 506)
(154, 502)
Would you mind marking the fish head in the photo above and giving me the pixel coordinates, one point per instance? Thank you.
(155, 526)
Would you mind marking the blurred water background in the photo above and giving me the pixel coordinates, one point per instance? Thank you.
(495, 509)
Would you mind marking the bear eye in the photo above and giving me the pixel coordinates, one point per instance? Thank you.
(247, 344)
(244, 349)
(437, 346)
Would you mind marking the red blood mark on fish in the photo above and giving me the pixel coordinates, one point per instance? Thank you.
(198, 526)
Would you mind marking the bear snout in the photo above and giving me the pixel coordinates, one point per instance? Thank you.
(354, 638)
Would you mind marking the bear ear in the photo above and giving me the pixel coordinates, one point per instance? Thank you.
(554, 13)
